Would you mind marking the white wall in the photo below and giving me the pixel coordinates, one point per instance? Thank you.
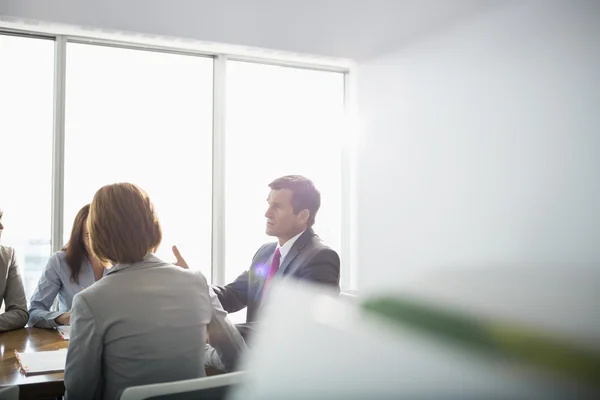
(481, 145)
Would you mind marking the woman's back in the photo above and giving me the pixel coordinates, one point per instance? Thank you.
(147, 324)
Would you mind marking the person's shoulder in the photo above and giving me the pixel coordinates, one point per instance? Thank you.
(92, 297)
(60, 255)
(198, 277)
(187, 280)
(268, 246)
(194, 277)
(6, 254)
(6, 251)
(316, 245)
(96, 293)
(57, 259)
(266, 249)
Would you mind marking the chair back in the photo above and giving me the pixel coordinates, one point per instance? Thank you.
(211, 387)
(9, 393)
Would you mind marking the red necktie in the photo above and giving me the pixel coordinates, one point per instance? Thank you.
(272, 271)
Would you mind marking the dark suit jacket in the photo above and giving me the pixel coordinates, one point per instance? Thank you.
(309, 259)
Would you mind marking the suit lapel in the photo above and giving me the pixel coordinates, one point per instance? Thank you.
(288, 259)
(296, 248)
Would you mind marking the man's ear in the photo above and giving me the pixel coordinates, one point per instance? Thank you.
(304, 215)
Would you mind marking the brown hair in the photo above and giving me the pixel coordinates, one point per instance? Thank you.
(75, 247)
(123, 225)
(304, 194)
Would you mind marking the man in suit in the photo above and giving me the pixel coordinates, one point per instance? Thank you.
(298, 252)
(12, 294)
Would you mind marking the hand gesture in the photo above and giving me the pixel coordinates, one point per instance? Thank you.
(180, 262)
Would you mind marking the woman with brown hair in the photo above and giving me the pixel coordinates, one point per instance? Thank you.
(146, 321)
(67, 273)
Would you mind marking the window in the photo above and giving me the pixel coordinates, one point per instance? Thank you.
(26, 86)
(279, 121)
(143, 117)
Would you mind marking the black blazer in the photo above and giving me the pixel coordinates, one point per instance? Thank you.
(309, 259)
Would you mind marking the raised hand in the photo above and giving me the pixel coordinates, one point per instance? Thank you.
(179, 259)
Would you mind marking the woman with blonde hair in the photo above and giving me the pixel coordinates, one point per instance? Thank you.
(68, 272)
(146, 321)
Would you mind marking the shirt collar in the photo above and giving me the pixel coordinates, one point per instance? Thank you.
(287, 246)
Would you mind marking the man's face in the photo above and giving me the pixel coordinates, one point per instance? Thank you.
(281, 220)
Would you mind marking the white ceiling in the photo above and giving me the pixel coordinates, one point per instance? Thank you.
(356, 29)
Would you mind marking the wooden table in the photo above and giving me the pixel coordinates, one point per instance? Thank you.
(36, 386)
(30, 339)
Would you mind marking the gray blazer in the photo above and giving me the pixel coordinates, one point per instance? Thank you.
(309, 260)
(142, 323)
(11, 292)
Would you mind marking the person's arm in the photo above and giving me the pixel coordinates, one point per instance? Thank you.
(15, 314)
(48, 286)
(234, 296)
(226, 343)
(83, 370)
(323, 268)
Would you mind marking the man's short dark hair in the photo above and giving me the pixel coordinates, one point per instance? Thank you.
(305, 195)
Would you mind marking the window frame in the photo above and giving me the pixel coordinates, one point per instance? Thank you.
(136, 42)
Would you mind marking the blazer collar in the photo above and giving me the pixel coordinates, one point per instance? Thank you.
(304, 239)
(300, 243)
(149, 261)
(296, 248)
